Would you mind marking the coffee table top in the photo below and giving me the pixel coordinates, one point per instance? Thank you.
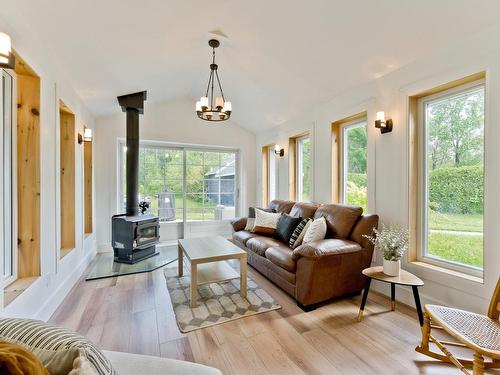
(404, 278)
(210, 249)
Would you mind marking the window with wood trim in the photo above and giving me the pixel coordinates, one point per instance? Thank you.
(448, 169)
(349, 160)
(302, 168)
(269, 175)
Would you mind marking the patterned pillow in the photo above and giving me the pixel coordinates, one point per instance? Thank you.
(250, 224)
(266, 222)
(36, 334)
(298, 234)
(316, 231)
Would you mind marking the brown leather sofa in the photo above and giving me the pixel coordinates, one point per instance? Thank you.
(319, 270)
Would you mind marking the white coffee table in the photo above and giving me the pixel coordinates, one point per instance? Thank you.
(207, 256)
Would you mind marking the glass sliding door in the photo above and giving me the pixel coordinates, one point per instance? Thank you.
(185, 184)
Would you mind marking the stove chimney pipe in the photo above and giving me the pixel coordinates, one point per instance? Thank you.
(133, 104)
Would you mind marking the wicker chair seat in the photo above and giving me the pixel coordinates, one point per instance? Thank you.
(473, 329)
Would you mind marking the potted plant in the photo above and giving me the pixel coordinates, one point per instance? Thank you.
(392, 242)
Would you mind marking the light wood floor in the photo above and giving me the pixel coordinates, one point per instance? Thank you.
(133, 314)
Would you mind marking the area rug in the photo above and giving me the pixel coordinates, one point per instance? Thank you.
(218, 302)
(106, 267)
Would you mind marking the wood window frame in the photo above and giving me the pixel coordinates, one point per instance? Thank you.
(268, 157)
(415, 175)
(293, 163)
(337, 130)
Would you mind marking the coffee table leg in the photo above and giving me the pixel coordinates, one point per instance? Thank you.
(243, 277)
(194, 285)
(363, 301)
(180, 261)
(418, 305)
(393, 296)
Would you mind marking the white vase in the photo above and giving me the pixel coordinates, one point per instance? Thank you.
(392, 267)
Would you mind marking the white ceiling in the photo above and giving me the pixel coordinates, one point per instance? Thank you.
(281, 56)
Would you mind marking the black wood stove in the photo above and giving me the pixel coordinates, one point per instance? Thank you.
(134, 236)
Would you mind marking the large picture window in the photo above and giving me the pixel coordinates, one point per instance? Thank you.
(303, 168)
(354, 151)
(181, 183)
(451, 199)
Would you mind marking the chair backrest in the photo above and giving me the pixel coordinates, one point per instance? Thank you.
(494, 309)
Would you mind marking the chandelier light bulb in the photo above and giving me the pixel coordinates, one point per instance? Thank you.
(204, 101)
(219, 102)
(227, 107)
(198, 106)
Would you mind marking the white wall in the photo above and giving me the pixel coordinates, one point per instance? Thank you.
(388, 154)
(173, 122)
(58, 276)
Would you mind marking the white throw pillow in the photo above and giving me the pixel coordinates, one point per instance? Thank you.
(300, 238)
(315, 231)
(266, 219)
(250, 224)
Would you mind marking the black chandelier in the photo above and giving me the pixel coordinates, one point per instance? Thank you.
(211, 107)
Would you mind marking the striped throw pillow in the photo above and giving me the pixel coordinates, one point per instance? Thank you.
(36, 334)
(298, 234)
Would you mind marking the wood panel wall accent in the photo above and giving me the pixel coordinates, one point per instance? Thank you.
(337, 152)
(413, 161)
(87, 186)
(28, 173)
(67, 178)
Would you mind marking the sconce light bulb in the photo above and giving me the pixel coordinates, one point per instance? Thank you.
(381, 116)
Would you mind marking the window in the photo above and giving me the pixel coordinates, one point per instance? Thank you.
(354, 150)
(6, 188)
(180, 182)
(303, 168)
(269, 174)
(451, 177)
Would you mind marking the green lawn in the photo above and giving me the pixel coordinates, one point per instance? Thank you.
(464, 223)
(461, 248)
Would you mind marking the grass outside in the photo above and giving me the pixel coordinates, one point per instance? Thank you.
(460, 248)
(458, 222)
(195, 210)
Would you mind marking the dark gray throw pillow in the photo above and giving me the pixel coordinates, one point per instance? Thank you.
(251, 211)
(286, 226)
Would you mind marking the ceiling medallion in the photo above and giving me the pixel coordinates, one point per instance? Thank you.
(211, 107)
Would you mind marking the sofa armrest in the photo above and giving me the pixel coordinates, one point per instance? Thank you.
(326, 247)
(364, 226)
(238, 223)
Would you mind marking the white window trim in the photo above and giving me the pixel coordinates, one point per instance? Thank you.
(422, 219)
(298, 168)
(8, 189)
(343, 164)
(182, 147)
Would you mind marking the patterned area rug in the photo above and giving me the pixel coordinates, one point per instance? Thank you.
(218, 302)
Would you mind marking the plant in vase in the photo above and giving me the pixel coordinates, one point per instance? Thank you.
(392, 242)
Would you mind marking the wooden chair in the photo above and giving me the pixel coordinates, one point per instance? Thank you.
(480, 333)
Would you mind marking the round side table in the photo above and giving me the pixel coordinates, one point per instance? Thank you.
(405, 278)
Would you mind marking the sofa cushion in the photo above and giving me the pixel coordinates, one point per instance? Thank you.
(304, 210)
(250, 224)
(260, 244)
(281, 256)
(243, 236)
(133, 364)
(326, 247)
(340, 219)
(281, 206)
(40, 335)
(315, 231)
(286, 226)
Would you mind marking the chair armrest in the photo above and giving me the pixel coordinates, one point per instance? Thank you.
(238, 223)
(327, 247)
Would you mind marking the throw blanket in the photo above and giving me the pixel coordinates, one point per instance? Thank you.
(15, 360)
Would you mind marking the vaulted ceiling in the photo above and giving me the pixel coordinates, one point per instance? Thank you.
(279, 58)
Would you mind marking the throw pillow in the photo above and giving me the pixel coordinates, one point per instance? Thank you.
(251, 211)
(285, 227)
(316, 231)
(265, 222)
(17, 360)
(298, 233)
(250, 224)
(35, 335)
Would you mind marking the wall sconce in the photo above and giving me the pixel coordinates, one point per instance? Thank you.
(87, 135)
(385, 125)
(7, 58)
(279, 151)
(80, 139)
